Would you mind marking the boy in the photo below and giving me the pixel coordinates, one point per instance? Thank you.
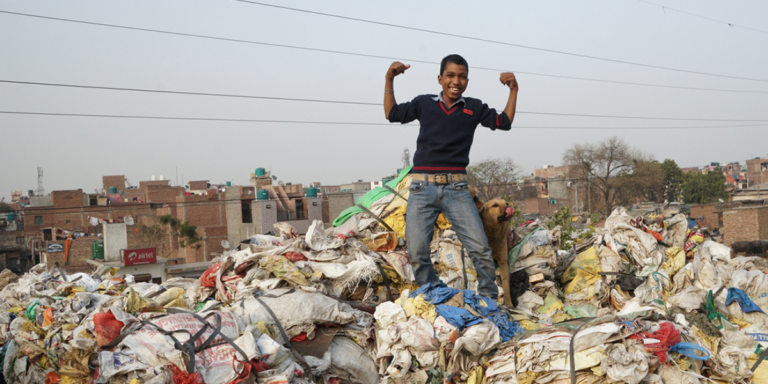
(448, 123)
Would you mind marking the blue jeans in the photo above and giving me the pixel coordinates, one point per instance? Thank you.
(425, 203)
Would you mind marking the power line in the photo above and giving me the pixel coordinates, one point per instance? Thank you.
(732, 25)
(497, 41)
(342, 101)
(232, 40)
(341, 122)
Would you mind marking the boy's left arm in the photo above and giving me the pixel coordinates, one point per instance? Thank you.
(489, 118)
(508, 79)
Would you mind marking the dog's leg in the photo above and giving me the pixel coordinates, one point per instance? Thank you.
(502, 259)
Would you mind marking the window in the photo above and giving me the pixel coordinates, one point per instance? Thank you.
(246, 210)
(67, 221)
(38, 220)
(19, 239)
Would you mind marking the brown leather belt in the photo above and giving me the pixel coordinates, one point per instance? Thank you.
(439, 178)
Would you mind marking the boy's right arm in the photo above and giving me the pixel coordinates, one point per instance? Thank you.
(389, 86)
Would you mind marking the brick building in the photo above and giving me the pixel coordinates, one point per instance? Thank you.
(757, 171)
(745, 223)
(230, 213)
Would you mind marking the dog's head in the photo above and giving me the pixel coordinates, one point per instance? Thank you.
(498, 209)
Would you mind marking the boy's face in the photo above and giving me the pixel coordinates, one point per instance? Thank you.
(454, 81)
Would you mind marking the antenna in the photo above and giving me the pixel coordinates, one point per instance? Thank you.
(406, 158)
(40, 190)
(129, 220)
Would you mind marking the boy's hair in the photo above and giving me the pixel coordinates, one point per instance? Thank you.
(456, 59)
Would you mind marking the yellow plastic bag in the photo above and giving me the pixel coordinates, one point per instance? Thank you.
(135, 303)
(476, 375)
(419, 307)
(586, 260)
(169, 295)
(675, 261)
(551, 303)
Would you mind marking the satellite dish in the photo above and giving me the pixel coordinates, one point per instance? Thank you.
(128, 220)
(225, 244)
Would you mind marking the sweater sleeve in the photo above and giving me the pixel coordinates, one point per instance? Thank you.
(489, 118)
(406, 112)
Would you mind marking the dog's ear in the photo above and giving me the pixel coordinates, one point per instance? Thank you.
(478, 203)
(481, 207)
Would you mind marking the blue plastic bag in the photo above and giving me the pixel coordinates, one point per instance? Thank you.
(689, 349)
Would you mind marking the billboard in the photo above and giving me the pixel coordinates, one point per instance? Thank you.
(139, 256)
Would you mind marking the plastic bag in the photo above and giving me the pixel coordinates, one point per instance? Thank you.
(389, 313)
(137, 304)
(285, 230)
(625, 363)
(208, 279)
(107, 327)
(317, 240)
(169, 296)
(689, 349)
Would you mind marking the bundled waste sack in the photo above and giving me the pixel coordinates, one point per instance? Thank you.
(643, 300)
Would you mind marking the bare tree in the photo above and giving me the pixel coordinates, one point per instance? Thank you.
(493, 178)
(607, 167)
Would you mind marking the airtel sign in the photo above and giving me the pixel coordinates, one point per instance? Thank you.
(139, 256)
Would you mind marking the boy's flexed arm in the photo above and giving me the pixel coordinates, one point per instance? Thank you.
(389, 86)
(508, 79)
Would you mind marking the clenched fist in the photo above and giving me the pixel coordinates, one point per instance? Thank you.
(508, 79)
(396, 68)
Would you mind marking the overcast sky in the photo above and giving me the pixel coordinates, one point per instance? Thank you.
(76, 151)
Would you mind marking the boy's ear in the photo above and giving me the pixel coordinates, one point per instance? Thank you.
(439, 79)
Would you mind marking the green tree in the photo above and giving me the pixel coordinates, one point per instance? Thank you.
(186, 232)
(644, 182)
(673, 180)
(699, 188)
(493, 178)
(5, 208)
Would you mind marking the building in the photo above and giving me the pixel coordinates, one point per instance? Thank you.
(745, 223)
(557, 186)
(757, 171)
(223, 216)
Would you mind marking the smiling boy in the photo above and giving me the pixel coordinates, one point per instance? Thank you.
(439, 176)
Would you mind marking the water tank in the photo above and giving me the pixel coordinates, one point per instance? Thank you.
(260, 172)
(262, 194)
(229, 183)
(312, 192)
(97, 249)
(112, 190)
(11, 216)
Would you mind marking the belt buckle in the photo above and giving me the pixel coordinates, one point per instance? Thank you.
(441, 178)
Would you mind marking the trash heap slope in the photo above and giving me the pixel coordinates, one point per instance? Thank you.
(639, 300)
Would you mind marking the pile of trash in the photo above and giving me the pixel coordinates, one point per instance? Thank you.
(633, 303)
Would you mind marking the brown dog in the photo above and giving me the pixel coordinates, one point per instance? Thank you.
(495, 215)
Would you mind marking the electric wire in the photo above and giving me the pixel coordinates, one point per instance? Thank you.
(286, 46)
(498, 42)
(146, 117)
(732, 25)
(351, 102)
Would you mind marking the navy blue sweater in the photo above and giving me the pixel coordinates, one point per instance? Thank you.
(446, 135)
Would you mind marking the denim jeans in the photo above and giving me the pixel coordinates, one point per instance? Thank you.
(425, 203)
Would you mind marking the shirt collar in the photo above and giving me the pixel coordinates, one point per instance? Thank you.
(439, 97)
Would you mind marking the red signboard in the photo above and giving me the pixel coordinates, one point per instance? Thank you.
(139, 256)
